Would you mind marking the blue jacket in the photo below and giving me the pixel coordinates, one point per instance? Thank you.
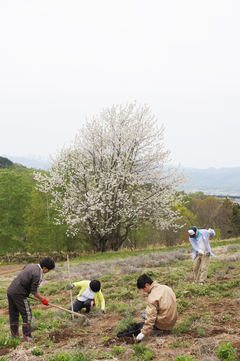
(194, 243)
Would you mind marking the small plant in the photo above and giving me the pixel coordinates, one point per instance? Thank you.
(105, 338)
(117, 351)
(184, 358)
(79, 356)
(6, 341)
(37, 352)
(180, 344)
(226, 352)
(227, 317)
(37, 313)
(201, 331)
(183, 326)
(123, 325)
(206, 318)
(142, 353)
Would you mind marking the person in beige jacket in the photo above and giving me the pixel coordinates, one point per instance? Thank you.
(161, 311)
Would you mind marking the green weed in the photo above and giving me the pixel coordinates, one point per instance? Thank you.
(105, 338)
(124, 324)
(48, 326)
(117, 351)
(102, 355)
(227, 317)
(79, 356)
(206, 318)
(201, 331)
(37, 352)
(6, 341)
(184, 358)
(38, 314)
(226, 352)
(180, 344)
(182, 305)
(183, 326)
(142, 353)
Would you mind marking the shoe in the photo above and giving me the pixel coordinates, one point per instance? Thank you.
(26, 338)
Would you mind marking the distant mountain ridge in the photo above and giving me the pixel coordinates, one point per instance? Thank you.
(223, 181)
(31, 161)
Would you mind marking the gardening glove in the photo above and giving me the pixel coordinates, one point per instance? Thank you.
(45, 302)
(104, 312)
(200, 251)
(140, 336)
(210, 230)
(71, 286)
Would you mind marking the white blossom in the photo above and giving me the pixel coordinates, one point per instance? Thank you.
(112, 177)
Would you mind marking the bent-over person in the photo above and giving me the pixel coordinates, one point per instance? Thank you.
(199, 238)
(27, 281)
(90, 294)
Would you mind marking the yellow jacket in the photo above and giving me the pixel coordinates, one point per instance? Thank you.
(98, 295)
(161, 308)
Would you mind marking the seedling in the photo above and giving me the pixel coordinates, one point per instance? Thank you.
(226, 352)
(142, 352)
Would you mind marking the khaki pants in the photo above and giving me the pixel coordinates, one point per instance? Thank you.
(201, 261)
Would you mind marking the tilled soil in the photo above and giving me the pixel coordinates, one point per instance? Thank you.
(99, 335)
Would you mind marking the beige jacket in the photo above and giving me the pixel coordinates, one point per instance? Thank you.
(161, 308)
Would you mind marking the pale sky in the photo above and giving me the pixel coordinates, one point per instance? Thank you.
(64, 60)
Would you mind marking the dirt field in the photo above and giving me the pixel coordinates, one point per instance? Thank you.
(221, 325)
(5, 270)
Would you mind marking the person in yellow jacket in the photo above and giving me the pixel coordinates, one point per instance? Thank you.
(161, 312)
(90, 294)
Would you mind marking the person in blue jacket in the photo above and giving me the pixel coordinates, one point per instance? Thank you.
(198, 239)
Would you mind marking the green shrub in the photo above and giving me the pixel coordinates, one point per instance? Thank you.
(183, 326)
(37, 352)
(37, 313)
(117, 351)
(48, 326)
(184, 358)
(142, 353)
(6, 341)
(226, 352)
(124, 324)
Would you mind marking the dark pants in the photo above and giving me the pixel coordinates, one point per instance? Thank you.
(78, 305)
(19, 306)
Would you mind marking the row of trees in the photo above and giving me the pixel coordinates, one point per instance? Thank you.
(27, 220)
(109, 189)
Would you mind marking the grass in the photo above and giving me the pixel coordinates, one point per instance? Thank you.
(124, 324)
(6, 341)
(142, 353)
(67, 356)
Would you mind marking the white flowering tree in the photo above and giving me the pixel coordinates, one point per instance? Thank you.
(112, 178)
